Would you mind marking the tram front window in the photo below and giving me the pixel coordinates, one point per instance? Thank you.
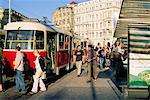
(22, 38)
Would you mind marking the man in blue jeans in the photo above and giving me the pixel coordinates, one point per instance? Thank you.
(19, 68)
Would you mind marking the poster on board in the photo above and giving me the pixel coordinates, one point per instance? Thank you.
(139, 57)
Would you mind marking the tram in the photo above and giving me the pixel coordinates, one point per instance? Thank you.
(54, 45)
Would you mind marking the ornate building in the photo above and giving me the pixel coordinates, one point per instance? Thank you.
(4, 16)
(15, 16)
(96, 20)
(63, 17)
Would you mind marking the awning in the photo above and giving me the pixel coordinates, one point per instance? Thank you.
(132, 12)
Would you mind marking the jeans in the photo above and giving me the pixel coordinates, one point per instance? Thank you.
(19, 81)
(102, 62)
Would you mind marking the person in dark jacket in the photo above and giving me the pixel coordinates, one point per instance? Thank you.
(102, 57)
(37, 77)
(79, 58)
(1, 80)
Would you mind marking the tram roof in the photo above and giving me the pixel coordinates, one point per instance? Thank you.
(58, 30)
(27, 26)
(132, 12)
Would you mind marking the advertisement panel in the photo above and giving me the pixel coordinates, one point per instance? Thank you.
(139, 57)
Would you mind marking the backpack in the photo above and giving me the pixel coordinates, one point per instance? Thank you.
(42, 63)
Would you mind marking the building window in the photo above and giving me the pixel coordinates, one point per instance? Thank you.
(109, 23)
(100, 34)
(96, 25)
(97, 35)
(93, 25)
(92, 34)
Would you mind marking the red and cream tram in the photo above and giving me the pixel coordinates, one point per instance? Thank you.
(53, 44)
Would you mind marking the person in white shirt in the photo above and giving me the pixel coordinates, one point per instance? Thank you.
(37, 77)
(19, 68)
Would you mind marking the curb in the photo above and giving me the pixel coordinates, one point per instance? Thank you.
(118, 93)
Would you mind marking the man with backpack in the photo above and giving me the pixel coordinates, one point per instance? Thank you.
(39, 65)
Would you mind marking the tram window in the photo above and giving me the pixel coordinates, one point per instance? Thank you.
(22, 38)
(66, 43)
(39, 40)
(61, 41)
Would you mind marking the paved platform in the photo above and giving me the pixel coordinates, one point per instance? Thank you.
(71, 87)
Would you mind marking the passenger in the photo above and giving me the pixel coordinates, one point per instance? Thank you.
(1, 79)
(107, 58)
(102, 58)
(92, 63)
(19, 68)
(37, 77)
(79, 58)
(98, 45)
(118, 58)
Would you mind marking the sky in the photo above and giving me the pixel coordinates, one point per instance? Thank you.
(36, 8)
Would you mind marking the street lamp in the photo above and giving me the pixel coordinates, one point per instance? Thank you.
(9, 11)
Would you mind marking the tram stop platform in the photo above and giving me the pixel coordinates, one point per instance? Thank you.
(71, 87)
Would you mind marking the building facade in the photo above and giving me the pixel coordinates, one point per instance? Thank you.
(15, 16)
(63, 17)
(96, 20)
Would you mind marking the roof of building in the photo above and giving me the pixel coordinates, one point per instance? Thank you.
(135, 12)
(73, 3)
(16, 13)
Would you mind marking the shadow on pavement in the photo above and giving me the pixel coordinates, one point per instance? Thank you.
(93, 91)
(8, 84)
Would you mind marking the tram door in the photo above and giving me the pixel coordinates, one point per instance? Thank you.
(51, 52)
(71, 54)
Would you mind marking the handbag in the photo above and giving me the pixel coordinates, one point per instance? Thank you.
(43, 76)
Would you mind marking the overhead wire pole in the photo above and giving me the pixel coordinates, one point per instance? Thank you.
(27, 11)
(9, 11)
